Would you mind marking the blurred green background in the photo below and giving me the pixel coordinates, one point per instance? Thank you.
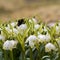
(48, 10)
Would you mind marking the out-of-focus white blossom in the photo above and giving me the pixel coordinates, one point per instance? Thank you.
(22, 28)
(57, 29)
(13, 24)
(8, 29)
(51, 24)
(9, 45)
(15, 31)
(34, 20)
(32, 39)
(44, 38)
(49, 47)
(36, 26)
(2, 37)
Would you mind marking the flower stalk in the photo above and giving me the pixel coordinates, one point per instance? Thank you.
(31, 54)
(11, 54)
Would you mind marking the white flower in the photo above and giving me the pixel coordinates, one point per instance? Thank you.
(9, 45)
(15, 31)
(13, 24)
(8, 29)
(51, 24)
(2, 37)
(44, 38)
(32, 39)
(36, 26)
(57, 29)
(34, 20)
(22, 28)
(49, 47)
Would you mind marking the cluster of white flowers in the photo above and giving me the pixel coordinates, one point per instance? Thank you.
(33, 38)
(44, 38)
(49, 47)
(9, 45)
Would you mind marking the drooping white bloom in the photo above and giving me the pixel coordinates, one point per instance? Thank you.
(44, 38)
(22, 28)
(8, 29)
(57, 29)
(15, 31)
(9, 45)
(51, 24)
(34, 20)
(13, 24)
(49, 47)
(2, 37)
(36, 26)
(32, 39)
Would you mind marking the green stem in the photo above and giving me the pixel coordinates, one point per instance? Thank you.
(23, 55)
(31, 54)
(5, 55)
(39, 54)
(11, 55)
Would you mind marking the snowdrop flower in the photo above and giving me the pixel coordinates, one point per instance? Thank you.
(51, 24)
(36, 26)
(8, 29)
(13, 24)
(57, 29)
(9, 45)
(49, 47)
(2, 37)
(22, 28)
(34, 20)
(32, 39)
(15, 31)
(44, 38)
